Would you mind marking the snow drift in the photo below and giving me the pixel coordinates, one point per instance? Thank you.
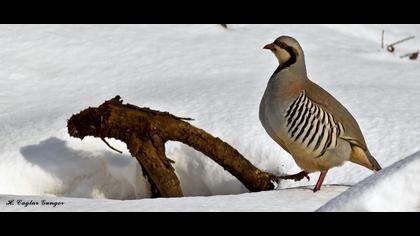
(395, 188)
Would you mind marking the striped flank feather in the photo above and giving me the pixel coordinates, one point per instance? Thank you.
(311, 126)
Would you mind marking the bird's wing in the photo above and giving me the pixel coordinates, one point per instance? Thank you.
(352, 132)
(311, 125)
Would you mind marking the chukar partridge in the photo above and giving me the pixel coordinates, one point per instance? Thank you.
(306, 120)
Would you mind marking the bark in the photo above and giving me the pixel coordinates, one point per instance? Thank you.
(146, 131)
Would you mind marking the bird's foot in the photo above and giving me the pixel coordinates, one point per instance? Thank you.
(297, 177)
(316, 188)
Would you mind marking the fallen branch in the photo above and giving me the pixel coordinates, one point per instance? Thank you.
(402, 40)
(391, 47)
(411, 55)
(146, 131)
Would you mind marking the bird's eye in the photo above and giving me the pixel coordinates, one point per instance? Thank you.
(280, 44)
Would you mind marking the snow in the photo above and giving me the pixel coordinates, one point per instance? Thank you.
(248, 202)
(214, 75)
(392, 189)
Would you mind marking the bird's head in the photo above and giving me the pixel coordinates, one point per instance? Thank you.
(287, 51)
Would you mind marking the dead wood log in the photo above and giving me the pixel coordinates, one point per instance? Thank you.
(146, 131)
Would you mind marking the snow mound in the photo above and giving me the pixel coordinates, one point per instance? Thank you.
(53, 168)
(395, 188)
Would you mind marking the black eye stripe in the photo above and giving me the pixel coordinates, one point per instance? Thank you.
(286, 47)
(281, 44)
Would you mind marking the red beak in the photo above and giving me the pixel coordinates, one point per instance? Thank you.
(269, 46)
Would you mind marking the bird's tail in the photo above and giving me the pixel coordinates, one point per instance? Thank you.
(364, 158)
(373, 161)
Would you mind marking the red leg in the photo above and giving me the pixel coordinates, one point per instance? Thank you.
(320, 180)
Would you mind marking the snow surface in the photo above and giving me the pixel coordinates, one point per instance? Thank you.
(284, 200)
(214, 75)
(395, 188)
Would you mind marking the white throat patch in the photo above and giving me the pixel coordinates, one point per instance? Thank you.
(281, 55)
